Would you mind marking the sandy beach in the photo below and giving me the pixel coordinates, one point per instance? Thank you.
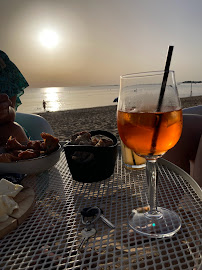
(66, 123)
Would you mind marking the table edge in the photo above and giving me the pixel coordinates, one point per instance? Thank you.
(185, 175)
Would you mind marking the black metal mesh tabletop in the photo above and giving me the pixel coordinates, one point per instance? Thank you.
(50, 236)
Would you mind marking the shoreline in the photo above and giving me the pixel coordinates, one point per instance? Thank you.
(66, 123)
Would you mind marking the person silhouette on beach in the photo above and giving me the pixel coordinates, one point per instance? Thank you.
(44, 105)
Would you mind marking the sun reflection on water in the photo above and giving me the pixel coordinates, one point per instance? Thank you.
(52, 98)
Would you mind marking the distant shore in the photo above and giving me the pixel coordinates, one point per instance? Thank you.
(66, 123)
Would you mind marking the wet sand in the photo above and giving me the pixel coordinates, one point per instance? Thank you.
(66, 123)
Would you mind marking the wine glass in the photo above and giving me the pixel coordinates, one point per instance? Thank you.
(149, 119)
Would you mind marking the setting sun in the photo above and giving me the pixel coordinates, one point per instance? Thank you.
(49, 38)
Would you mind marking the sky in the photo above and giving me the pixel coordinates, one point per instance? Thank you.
(93, 42)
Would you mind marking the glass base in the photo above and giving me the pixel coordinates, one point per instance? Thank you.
(164, 223)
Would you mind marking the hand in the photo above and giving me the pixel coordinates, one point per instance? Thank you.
(5, 104)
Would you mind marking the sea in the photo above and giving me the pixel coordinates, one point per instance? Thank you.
(70, 98)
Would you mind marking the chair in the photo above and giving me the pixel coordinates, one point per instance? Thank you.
(196, 173)
(33, 124)
(187, 153)
(193, 110)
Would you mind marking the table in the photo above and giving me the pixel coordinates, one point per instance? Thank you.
(49, 238)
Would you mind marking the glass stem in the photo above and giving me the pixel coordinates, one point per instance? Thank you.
(152, 179)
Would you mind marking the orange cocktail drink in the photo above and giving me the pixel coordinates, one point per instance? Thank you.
(137, 130)
(149, 120)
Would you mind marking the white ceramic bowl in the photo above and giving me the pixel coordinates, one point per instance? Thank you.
(32, 166)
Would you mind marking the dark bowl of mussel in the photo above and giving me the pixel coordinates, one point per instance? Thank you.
(91, 156)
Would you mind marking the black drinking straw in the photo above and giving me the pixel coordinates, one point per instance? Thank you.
(165, 77)
(160, 101)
